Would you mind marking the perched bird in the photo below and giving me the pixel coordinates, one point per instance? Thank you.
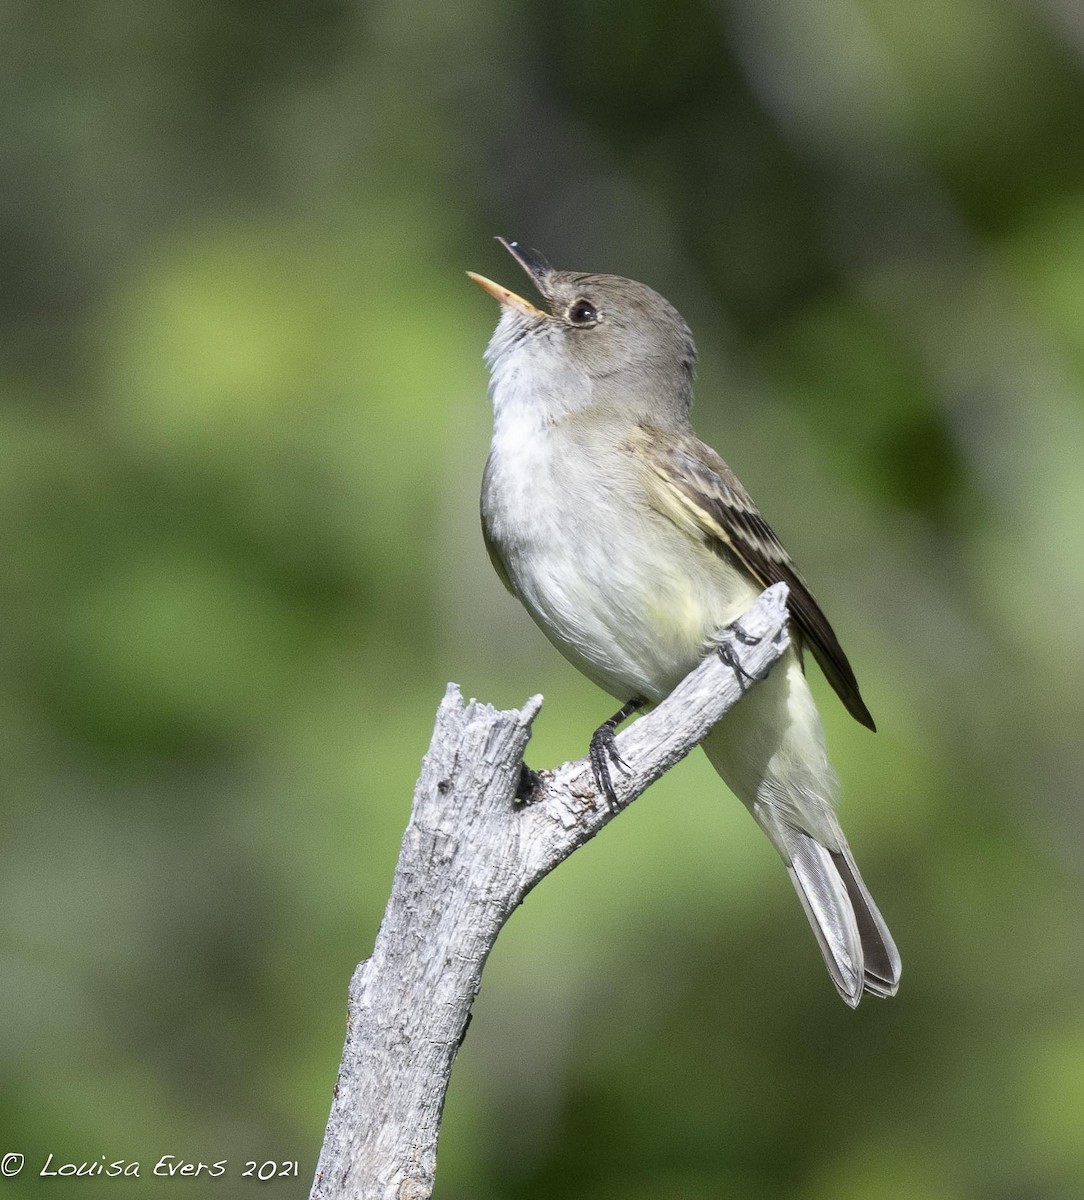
(633, 545)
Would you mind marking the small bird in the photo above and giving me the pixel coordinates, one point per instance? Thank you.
(633, 545)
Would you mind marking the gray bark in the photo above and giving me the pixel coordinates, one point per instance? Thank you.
(470, 854)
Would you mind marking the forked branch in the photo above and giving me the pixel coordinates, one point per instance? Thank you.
(470, 854)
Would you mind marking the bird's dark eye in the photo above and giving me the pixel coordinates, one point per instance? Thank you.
(582, 312)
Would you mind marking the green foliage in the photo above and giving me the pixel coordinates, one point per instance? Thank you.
(242, 424)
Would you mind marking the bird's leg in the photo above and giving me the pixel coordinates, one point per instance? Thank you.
(604, 751)
(526, 787)
(726, 653)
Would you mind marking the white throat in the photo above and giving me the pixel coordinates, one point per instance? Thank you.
(532, 380)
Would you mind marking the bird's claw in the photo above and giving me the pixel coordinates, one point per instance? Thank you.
(742, 634)
(602, 753)
(726, 653)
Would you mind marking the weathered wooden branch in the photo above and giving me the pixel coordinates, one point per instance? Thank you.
(470, 854)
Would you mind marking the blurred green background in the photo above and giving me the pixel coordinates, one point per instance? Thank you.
(242, 427)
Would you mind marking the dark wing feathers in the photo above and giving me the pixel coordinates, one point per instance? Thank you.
(728, 518)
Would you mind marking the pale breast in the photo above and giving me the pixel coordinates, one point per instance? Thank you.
(625, 595)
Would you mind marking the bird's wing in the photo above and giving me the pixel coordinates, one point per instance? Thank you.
(700, 493)
(492, 548)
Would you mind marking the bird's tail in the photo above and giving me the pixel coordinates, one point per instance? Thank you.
(770, 752)
(854, 939)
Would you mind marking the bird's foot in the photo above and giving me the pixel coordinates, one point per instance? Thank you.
(742, 634)
(604, 752)
(726, 653)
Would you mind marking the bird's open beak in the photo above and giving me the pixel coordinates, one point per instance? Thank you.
(505, 295)
(532, 263)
